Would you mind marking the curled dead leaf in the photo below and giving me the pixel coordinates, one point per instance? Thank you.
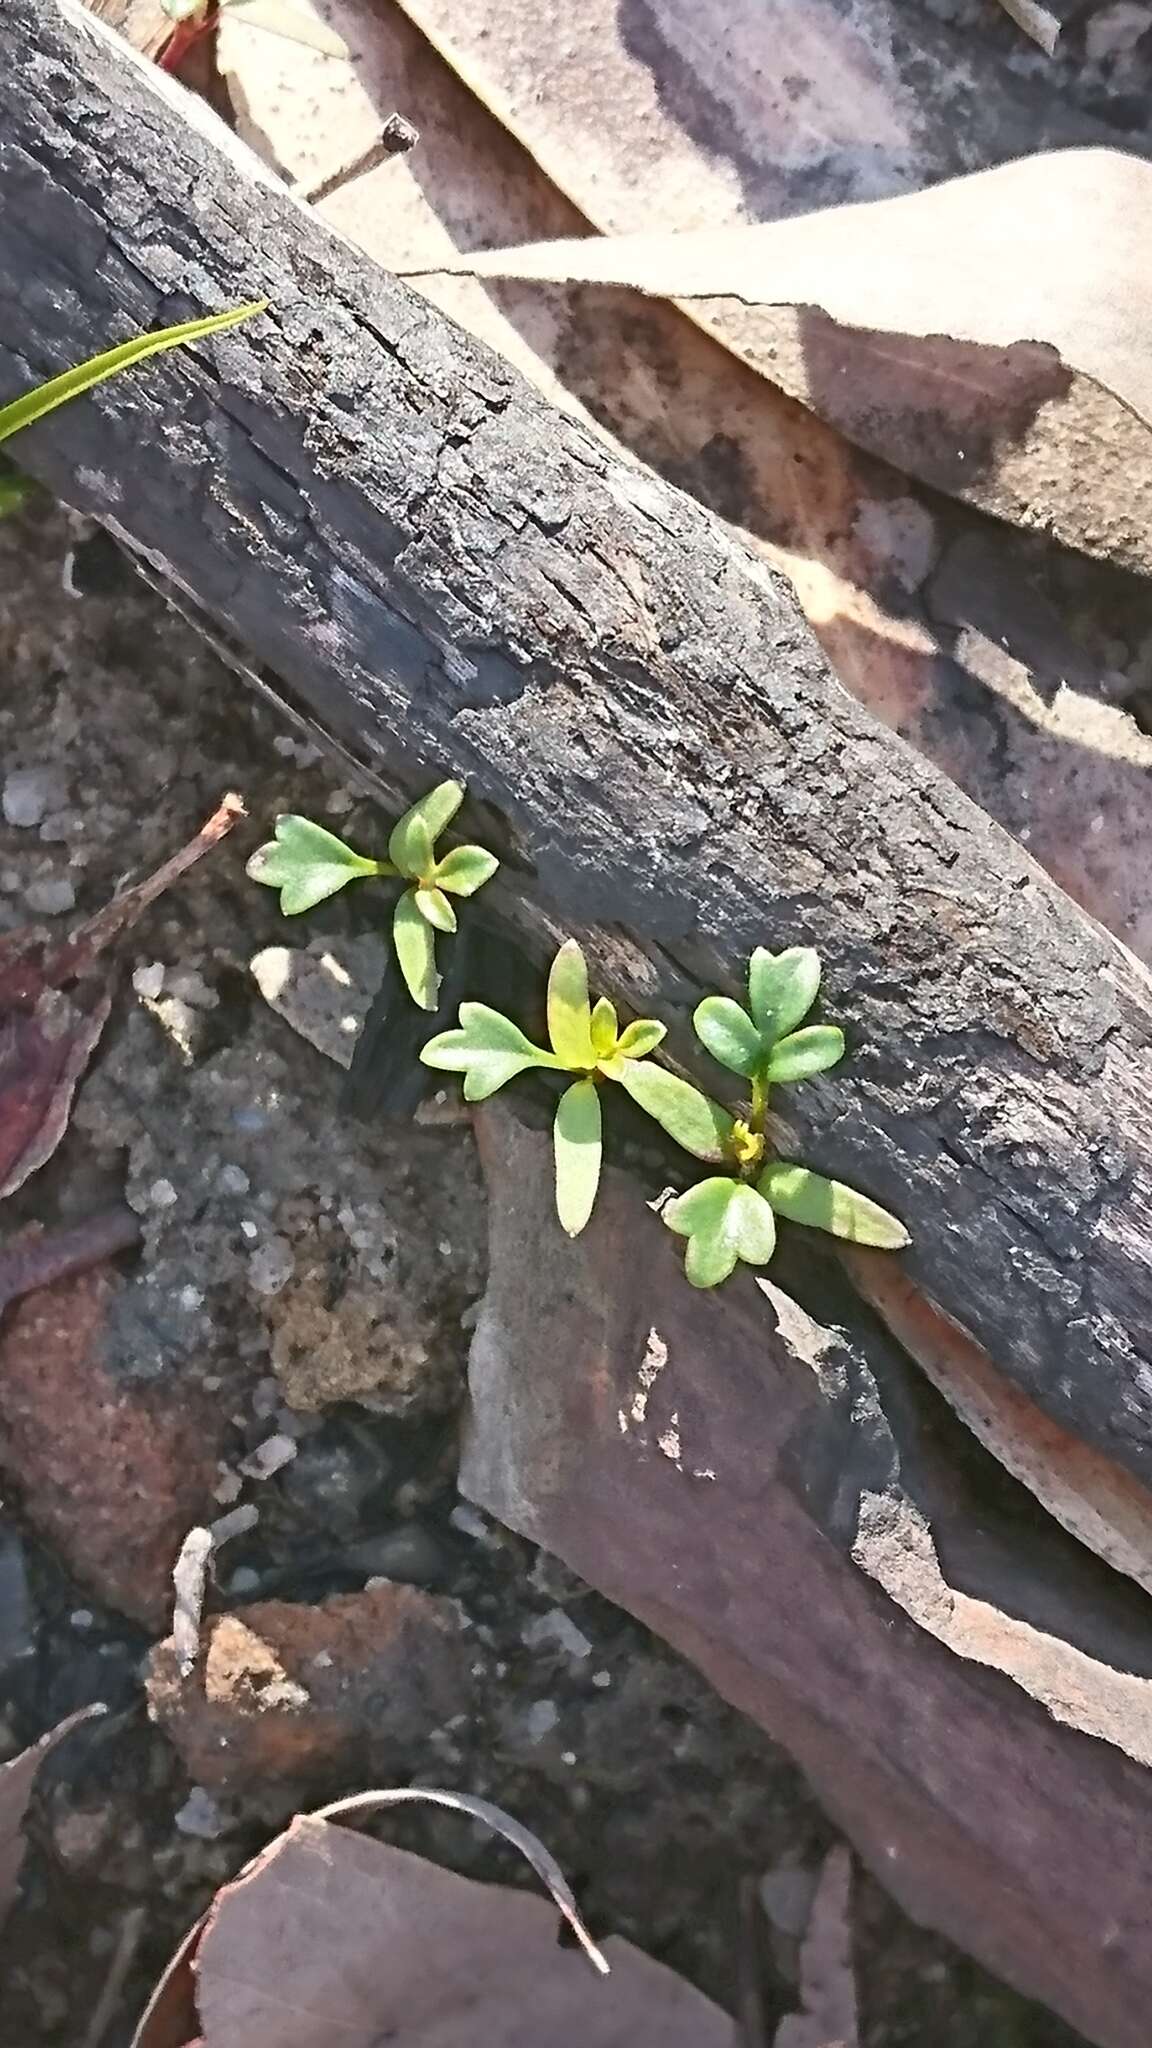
(330, 1933)
(17, 1779)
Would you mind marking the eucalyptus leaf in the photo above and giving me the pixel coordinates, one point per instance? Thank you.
(465, 870)
(782, 988)
(487, 1048)
(33, 405)
(640, 1037)
(413, 838)
(807, 1052)
(700, 1125)
(729, 1034)
(569, 1011)
(435, 908)
(307, 864)
(577, 1137)
(605, 1028)
(807, 1197)
(415, 945)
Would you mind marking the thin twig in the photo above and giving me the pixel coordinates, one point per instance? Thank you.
(123, 1957)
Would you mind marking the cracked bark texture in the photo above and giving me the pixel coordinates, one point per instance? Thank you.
(452, 577)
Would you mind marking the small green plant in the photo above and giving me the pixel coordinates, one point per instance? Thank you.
(306, 863)
(44, 398)
(489, 1050)
(731, 1216)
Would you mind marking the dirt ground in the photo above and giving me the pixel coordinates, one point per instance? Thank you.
(307, 1278)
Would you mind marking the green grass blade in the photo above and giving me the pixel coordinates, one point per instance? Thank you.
(23, 412)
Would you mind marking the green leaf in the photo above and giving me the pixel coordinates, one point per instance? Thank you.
(569, 1012)
(701, 1126)
(782, 988)
(605, 1028)
(415, 945)
(22, 412)
(724, 1220)
(729, 1034)
(465, 870)
(413, 838)
(15, 491)
(806, 1052)
(487, 1048)
(307, 864)
(577, 1140)
(434, 906)
(640, 1037)
(807, 1197)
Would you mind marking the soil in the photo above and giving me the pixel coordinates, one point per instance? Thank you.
(277, 1230)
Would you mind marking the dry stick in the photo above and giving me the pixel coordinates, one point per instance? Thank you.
(124, 910)
(124, 1955)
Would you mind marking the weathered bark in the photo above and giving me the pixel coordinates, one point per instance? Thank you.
(454, 577)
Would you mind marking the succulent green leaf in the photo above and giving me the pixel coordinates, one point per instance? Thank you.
(465, 870)
(415, 945)
(569, 1011)
(33, 405)
(729, 1034)
(724, 1220)
(435, 908)
(605, 1028)
(487, 1048)
(806, 1052)
(307, 864)
(578, 1143)
(782, 988)
(701, 1126)
(640, 1038)
(806, 1197)
(413, 838)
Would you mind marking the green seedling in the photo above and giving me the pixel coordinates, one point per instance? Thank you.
(306, 863)
(23, 412)
(732, 1217)
(490, 1050)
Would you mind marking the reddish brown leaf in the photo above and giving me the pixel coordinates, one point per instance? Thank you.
(16, 1781)
(54, 1003)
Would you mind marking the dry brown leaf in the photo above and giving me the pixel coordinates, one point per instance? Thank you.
(17, 1779)
(54, 1003)
(330, 1933)
(1024, 359)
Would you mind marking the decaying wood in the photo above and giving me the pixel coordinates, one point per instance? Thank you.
(452, 577)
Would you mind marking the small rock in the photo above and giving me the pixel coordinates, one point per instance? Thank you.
(289, 1691)
(243, 1582)
(271, 1266)
(409, 1555)
(557, 1628)
(189, 986)
(148, 981)
(269, 1457)
(50, 895)
(29, 793)
(238, 1523)
(162, 1194)
(468, 1521)
(323, 990)
(117, 1490)
(541, 1718)
(331, 1479)
(80, 1836)
(201, 1817)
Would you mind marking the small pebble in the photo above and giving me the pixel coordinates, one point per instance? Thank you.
(238, 1523)
(271, 1267)
(191, 1299)
(540, 1720)
(50, 895)
(268, 1457)
(469, 1522)
(162, 1194)
(601, 1679)
(28, 794)
(232, 1180)
(559, 1629)
(243, 1581)
(200, 1816)
(411, 1555)
(148, 981)
(82, 1617)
